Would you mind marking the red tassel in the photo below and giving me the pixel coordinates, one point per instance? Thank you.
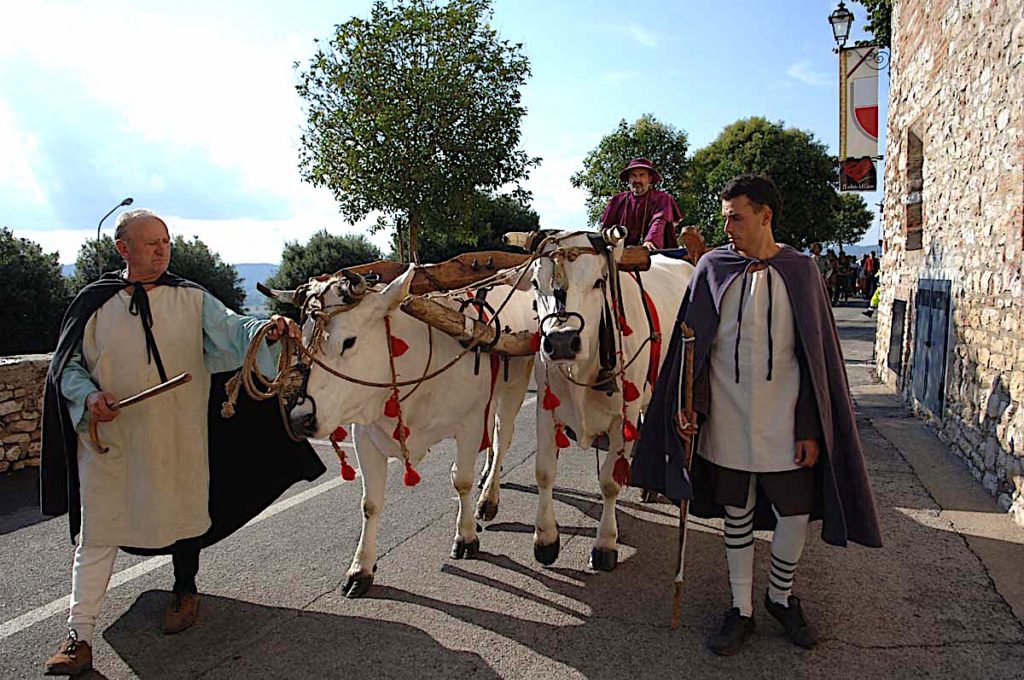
(411, 477)
(535, 342)
(340, 434)
(561, 439)
(398, 347)
(551, 402)
(629, 431)
(396, 435)
(626, 330)
(629, 391)
(391, 406)
(620, 473)
(348, 473)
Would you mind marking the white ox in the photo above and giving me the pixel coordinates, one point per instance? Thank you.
(572, 285)
(451, 404)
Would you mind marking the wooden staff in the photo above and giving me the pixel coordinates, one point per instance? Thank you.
(686, 403)
(176, 381)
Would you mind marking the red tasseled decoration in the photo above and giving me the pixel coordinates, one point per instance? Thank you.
(411, 477)
(629, 391)
(535, 342)
(551, 402)
(391, 406)
(398, 347)
(629, 431)
(626, 330)
(340, 434)
(348, 473)
(561, 439)
(620, 473)
(396, 435)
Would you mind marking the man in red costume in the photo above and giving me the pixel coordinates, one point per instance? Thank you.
(649, 215)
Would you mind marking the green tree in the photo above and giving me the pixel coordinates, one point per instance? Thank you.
(324, 253)
(665, 146)
(799, 164)
(191, 259)
(852, 219)
(33, 297)
(492, 216)
(879, 22)
(411, 112)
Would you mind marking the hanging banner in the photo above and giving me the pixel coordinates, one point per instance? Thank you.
(858, 102)
(858, 174)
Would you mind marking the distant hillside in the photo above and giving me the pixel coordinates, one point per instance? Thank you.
(251, 272)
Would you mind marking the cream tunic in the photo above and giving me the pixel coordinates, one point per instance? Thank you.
(751, 423)
(151, 489)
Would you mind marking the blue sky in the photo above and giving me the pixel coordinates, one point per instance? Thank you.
(190, 107)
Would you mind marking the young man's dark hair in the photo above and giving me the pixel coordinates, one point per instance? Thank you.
(759, 189)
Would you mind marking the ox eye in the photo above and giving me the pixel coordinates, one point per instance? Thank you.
(533, 282)
(347, 343)
(599, 283)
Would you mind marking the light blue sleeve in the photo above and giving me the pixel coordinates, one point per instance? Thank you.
(226, 337)
(76, 384)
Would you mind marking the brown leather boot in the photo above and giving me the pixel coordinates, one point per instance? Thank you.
(181, 612)
(73, 657)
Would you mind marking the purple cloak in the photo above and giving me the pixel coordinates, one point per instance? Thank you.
(651, 217)
(843, 498)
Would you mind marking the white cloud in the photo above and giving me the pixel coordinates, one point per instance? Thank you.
(643, 36)
(619, 76)
(16, 149)
(803, 72)
(560, 205)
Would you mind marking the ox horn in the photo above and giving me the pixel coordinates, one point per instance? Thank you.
(286, 296)
(614, 235)
(356, 283)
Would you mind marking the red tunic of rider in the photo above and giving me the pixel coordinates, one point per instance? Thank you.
(649, 216)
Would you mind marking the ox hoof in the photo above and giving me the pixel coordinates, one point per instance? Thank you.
(603, 559)
(487, 510)
(465, 550)
(357, 585)
(547, 554)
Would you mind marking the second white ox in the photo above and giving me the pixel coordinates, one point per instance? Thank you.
(453, 404)
(575, 293)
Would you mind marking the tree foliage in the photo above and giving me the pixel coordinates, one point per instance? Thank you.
(879, 22)
(665, 146)
(412, 111)
(324, 253)
(34, 296)
(852, 219)
(799, 164)
(191, 259)
(492, 217)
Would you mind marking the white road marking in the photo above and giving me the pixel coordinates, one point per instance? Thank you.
(30, 618)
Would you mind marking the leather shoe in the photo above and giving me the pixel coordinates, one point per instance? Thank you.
(797, 629)
(734, 632)
(181, 612)
(72, 658)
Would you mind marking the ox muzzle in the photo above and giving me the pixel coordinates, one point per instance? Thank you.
(301, 407)
(561, 335)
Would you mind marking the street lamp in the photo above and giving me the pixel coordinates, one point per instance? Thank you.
(841, 20)
(99, 258)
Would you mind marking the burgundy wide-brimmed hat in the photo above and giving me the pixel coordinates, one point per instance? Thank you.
(640, 164)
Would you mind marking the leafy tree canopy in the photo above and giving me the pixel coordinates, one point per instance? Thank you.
(852, 219)
(665, 146)
(799, 164)
(492, 217)
(191, 259)
(412, 111)
(324, 253)
(33, 297)
(879, 22)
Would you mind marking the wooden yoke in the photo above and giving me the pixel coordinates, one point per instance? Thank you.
(458, 272)
(465, 329)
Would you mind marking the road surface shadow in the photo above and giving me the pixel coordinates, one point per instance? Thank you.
(19, 500)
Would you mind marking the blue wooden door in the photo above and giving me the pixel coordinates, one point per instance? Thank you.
(930, 343)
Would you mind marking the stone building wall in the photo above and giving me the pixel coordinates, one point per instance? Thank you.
(957, 100)
(21, 404)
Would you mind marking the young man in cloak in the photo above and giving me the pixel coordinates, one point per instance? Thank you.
(176, 477)
(649, 215)
(778, 444)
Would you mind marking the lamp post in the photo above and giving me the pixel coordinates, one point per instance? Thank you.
(99, 258)
(841, 20)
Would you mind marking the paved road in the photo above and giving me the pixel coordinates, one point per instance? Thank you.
(944, 598)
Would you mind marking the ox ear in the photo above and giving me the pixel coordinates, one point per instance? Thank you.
(398, 290)
(286, 296)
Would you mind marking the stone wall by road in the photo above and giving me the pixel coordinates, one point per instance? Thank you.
(957, 85)
(21, 404)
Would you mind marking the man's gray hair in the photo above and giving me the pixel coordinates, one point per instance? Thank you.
(125, 219)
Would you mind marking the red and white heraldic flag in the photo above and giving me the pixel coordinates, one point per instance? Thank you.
(858, 94)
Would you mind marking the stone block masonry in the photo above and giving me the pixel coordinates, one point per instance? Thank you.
(21, 407)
